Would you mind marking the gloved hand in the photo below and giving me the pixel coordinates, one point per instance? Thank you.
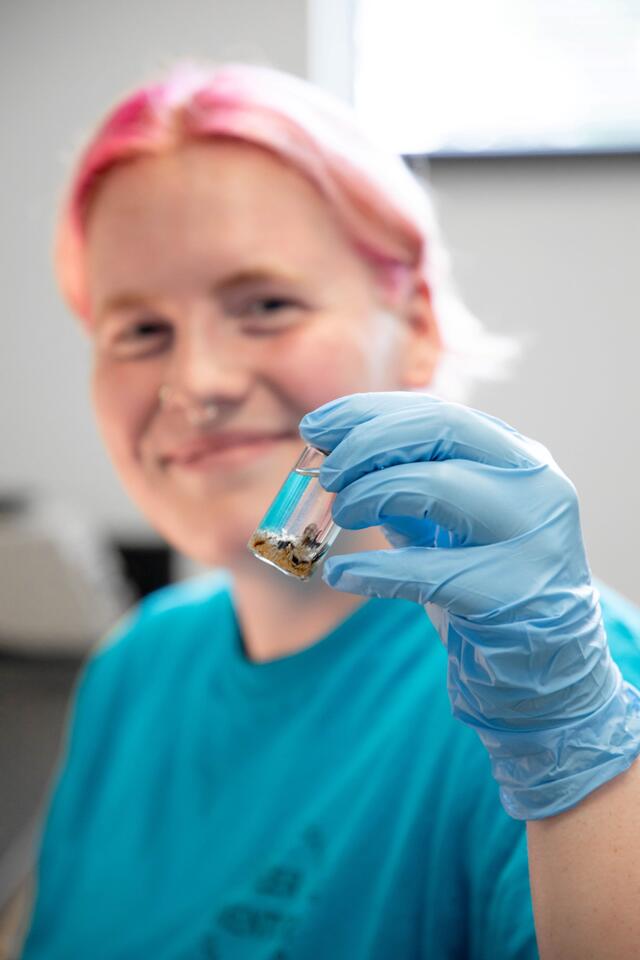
(486, 534)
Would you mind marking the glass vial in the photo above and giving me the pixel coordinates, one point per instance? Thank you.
(297, 529)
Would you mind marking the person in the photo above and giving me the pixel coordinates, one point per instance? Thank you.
(349, 767)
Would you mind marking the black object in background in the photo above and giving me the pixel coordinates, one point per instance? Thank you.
(146, 567)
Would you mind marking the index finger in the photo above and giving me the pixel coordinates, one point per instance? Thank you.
(371, 431)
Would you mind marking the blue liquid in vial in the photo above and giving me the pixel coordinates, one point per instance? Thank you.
(287, 502)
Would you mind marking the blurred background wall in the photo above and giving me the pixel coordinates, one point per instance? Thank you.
(543, 248)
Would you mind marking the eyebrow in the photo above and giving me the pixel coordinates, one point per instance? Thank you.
(128, 299)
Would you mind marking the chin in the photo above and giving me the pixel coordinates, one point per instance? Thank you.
(201, 547)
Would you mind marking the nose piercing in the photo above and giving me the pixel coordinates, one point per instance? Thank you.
(202, 413)
(207, 412)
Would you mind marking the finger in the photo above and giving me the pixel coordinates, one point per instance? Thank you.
(328, 424)
(421, 574)
(474, 582)
(409, 428)
(479, 503)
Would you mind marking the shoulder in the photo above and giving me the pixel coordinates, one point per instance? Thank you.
(152, 657)
(180, 603)
(169, 616)
(160, 636)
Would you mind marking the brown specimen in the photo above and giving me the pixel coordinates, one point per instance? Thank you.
(294, 555)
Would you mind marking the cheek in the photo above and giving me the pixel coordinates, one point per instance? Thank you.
(122, 405)
(347, 356)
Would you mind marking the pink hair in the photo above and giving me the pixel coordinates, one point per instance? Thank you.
(384, 210)
(265, 108)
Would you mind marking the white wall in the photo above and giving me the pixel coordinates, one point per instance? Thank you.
(549, 249)
(541, 247)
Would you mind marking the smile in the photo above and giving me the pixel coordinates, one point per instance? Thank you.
(224, 451)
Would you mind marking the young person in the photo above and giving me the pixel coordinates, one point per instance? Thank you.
(259, 768)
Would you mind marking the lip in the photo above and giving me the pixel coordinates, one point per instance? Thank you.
(228, 449)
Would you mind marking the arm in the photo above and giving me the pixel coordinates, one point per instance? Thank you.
(584, 867)
(486, 535)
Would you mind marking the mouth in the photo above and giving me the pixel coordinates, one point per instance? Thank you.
(224, 450)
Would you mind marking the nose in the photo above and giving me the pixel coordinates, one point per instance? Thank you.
(207, 365)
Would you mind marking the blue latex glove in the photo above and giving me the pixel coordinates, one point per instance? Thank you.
(486, 534)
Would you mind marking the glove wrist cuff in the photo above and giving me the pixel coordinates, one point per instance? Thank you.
(544, 772)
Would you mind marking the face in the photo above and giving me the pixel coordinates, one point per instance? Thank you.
(219, 273)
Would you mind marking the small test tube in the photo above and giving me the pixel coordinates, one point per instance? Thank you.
(297, 530)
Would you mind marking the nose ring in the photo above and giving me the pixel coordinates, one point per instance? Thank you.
(204, 414)
(200, 413)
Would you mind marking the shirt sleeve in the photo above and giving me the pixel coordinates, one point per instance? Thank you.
(79, 769)
(114, 702)
(502, 926)
(499, 911)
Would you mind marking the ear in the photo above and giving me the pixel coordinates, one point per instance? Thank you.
(423, 342)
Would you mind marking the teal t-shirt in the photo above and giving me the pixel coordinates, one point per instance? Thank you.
(322, 806)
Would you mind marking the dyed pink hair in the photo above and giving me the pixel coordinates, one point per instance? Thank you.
(384, 210)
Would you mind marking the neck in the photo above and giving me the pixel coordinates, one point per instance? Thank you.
(280, 615)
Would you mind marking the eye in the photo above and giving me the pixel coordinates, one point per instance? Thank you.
(146, 327)
(141, 338)
(269, 314)
(270, 305)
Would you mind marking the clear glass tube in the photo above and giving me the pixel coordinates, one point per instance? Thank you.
(297, 530)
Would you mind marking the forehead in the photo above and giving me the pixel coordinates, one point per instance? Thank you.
(207, 206)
